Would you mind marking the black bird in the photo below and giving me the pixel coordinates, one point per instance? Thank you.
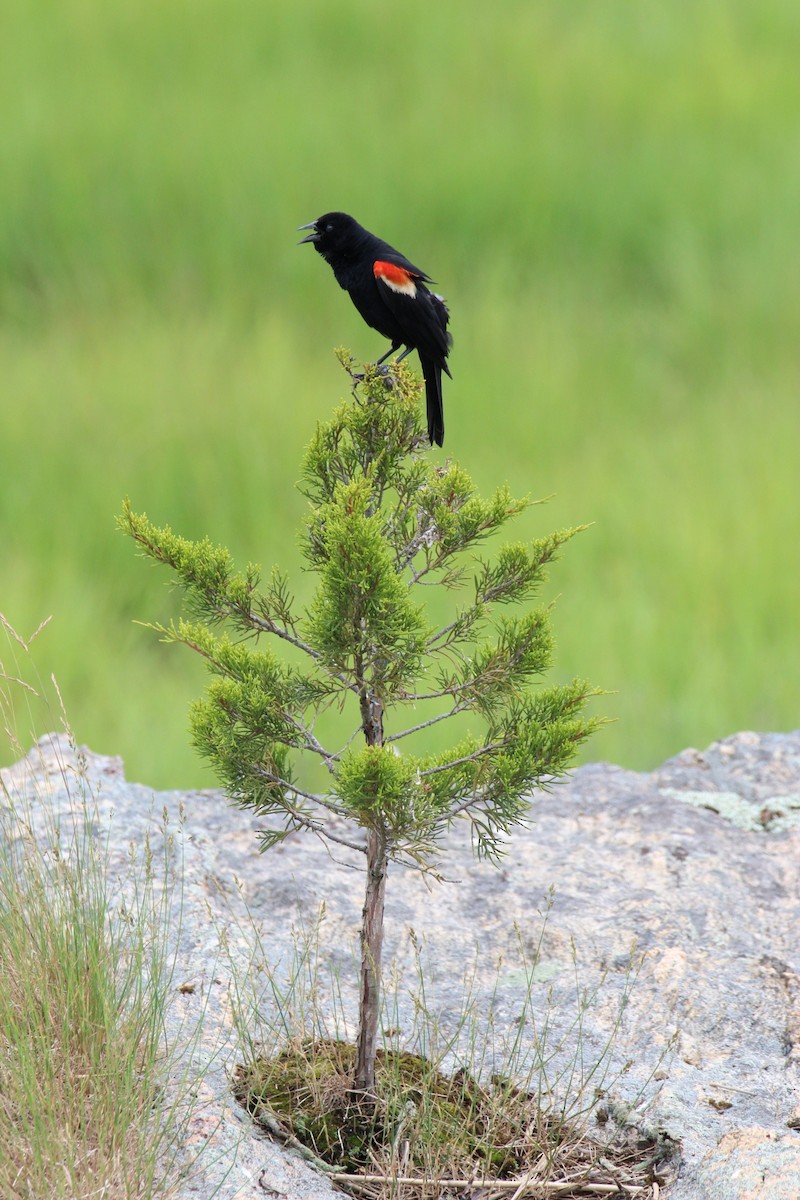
(390, 293)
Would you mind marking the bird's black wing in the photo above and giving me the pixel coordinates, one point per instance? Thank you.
(420, 314)
(383, 252)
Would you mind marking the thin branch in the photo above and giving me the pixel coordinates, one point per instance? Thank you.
(320, 830)
(267, 626)
(312, 797)
(436, 637)
(266, 1118)
(458, 762)
(453, 712)
(440, 558)
(469, 685)
(431, 565)
(359, 729)
(447, 629)
(311, 743)
(423, 537)
(334, 837)
(340, 862)
(402, 508)
(470, 802)
(314, 826)
(463, 805)
(413, 697)
(427, 582)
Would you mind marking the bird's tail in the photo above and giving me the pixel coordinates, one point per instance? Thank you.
(432, 373)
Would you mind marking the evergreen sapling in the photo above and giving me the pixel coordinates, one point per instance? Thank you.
(384, 520)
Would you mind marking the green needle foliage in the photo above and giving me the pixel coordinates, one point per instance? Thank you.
(384, 520)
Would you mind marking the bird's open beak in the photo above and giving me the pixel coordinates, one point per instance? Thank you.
(312, 237)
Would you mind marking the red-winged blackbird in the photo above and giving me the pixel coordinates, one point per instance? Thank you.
(390, 293)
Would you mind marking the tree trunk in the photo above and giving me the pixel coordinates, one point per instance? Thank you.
(371, 922)
(371, 950)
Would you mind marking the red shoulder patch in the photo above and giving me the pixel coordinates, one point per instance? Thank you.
(398, 278)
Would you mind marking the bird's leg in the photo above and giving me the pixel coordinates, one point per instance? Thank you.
(395, 346)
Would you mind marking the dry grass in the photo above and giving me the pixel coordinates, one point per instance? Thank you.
(463, 1112)
(85, 980)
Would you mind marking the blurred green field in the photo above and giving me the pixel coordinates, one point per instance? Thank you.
(609, 197)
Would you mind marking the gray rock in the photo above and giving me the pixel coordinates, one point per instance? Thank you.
(695, 863)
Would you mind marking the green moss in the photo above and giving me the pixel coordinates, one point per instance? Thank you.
(453, 1120)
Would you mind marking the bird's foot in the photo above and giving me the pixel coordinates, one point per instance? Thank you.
(382, 369)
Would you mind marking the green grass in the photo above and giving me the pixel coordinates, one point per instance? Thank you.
(609, 196)
(85, 982)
